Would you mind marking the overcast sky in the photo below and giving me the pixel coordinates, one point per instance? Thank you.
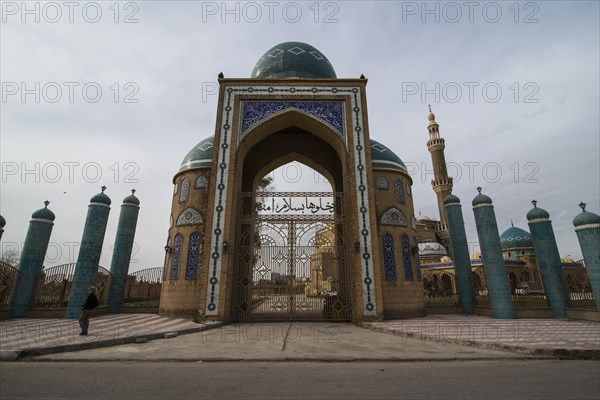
(514, 86)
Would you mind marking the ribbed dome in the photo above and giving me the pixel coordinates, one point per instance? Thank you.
(537, 213)
(586, 218)
(44, 213)
(515, 237)
(451, 199)
(101, 198)
(430, 248)
(293, 60)
(481, 199)
(200, 156)
(424, 218)
(131, 199)
(384, 158)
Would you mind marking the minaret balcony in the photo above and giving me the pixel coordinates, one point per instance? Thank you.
(436, 142)
(442, 182)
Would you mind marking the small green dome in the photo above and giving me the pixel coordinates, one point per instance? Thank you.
(2, 222)
(101, 198)
(481, 199)
(44, 213)
(586, 218)
(293, 60)
(451, 199)
(131, 199)
(200, 156)
(516, 237)
(537, 213)
(384, 158)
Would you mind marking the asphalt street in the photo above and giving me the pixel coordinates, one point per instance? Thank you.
(491, 379)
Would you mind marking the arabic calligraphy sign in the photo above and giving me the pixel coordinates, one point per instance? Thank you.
(307, 203)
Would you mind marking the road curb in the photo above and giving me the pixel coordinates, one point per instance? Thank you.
(27, 354)
(538, 352)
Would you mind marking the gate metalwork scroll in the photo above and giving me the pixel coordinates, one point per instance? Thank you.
(290, 258)
(53, 286)
(8, 281)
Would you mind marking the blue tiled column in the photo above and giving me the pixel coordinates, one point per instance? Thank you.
(89, 252)
(494, 269)
(548, 258)
(587, 227)
(32, 258)
(122, 252)
(460, 250)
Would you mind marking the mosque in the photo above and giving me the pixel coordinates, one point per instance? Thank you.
(237, 251)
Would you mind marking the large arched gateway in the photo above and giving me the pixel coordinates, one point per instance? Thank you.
(235, 253)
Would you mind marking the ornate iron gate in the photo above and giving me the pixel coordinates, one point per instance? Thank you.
(290, 258)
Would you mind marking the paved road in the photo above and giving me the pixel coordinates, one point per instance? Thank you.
(493, 379)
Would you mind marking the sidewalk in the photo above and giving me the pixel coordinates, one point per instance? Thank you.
(435, 337)
(560, 338)
(24, 337)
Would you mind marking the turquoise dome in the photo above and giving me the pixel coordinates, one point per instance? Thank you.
(101, 198)
(200, 156)
(451, 199)
(516, 237)
(2, 222)
(131, 199)
(537, 213)
(384, 158)
(586, 218)
(293, 60)
(481, 199)
(44, 213)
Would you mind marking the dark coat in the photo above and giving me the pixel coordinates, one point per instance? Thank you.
(91, 302)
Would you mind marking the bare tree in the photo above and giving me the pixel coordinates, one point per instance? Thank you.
(11, 257)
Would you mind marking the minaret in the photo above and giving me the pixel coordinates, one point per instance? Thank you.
(442, 183)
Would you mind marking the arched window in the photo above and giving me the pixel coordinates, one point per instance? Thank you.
(193, 259)
(417, 262)
(164, 274)
(400, 192)
(201, 182)
(175, 257)
(408, 272)
(381, 183)
(389, 259)
(185, 189)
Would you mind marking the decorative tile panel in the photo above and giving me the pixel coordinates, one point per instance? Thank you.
(400, 192)
(408, 190)
(389, 258)
(175, 257)
(190, 216)
(193, 260)
(381, 183)
(406, 256)
(330, 112)
(393, 216)
(185, 189)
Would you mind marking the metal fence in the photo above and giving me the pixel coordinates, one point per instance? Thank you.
(142, 288)
(54, 284)
(439, 287)
(8, 281)
(577, 287)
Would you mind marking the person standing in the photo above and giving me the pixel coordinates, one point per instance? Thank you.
(88, 309)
